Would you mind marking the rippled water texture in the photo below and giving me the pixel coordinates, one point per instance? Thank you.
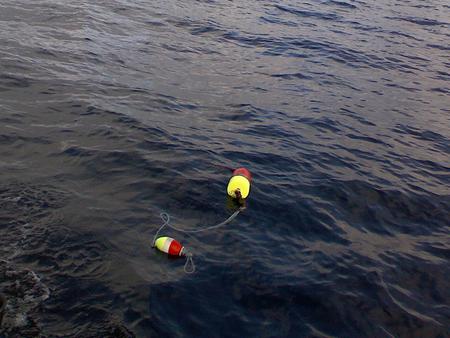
(112, 112)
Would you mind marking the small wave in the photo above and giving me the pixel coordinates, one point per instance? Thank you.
(420, 21)
(308, 13)
(342, 4)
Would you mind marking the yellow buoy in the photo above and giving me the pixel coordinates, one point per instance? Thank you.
(239, 184)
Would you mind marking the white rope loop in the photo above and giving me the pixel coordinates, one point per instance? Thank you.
(189, 266)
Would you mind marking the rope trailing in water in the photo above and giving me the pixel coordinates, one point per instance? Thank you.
(189, 266)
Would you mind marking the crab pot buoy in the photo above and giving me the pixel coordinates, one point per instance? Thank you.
(170, 246)
(239, 184)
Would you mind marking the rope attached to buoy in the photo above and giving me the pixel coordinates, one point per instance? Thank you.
(238, 189)
(189, 266)
(189, 263)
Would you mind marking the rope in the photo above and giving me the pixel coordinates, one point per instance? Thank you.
(166, 218)
(189, 266)
(189, 263)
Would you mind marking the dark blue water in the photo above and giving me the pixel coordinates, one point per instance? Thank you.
(114, 111)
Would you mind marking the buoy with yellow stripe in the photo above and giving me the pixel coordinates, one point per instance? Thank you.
(170, 246)
(238, 188)
(174, 248)
(239, 184)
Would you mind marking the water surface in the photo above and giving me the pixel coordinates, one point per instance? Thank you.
(114, 111)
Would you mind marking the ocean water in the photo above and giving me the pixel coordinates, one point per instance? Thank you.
(112, 112)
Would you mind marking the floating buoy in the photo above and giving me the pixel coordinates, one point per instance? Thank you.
(170, 246)
(238, 188)
(239, 184)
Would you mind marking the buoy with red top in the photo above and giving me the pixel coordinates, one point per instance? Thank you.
(238, 188)
(174, 248)
(239, 184)
(170, 246)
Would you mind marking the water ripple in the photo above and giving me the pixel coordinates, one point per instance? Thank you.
(112, 112)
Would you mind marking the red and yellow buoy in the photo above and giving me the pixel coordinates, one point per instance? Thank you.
(170, 246)
(239, 184)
